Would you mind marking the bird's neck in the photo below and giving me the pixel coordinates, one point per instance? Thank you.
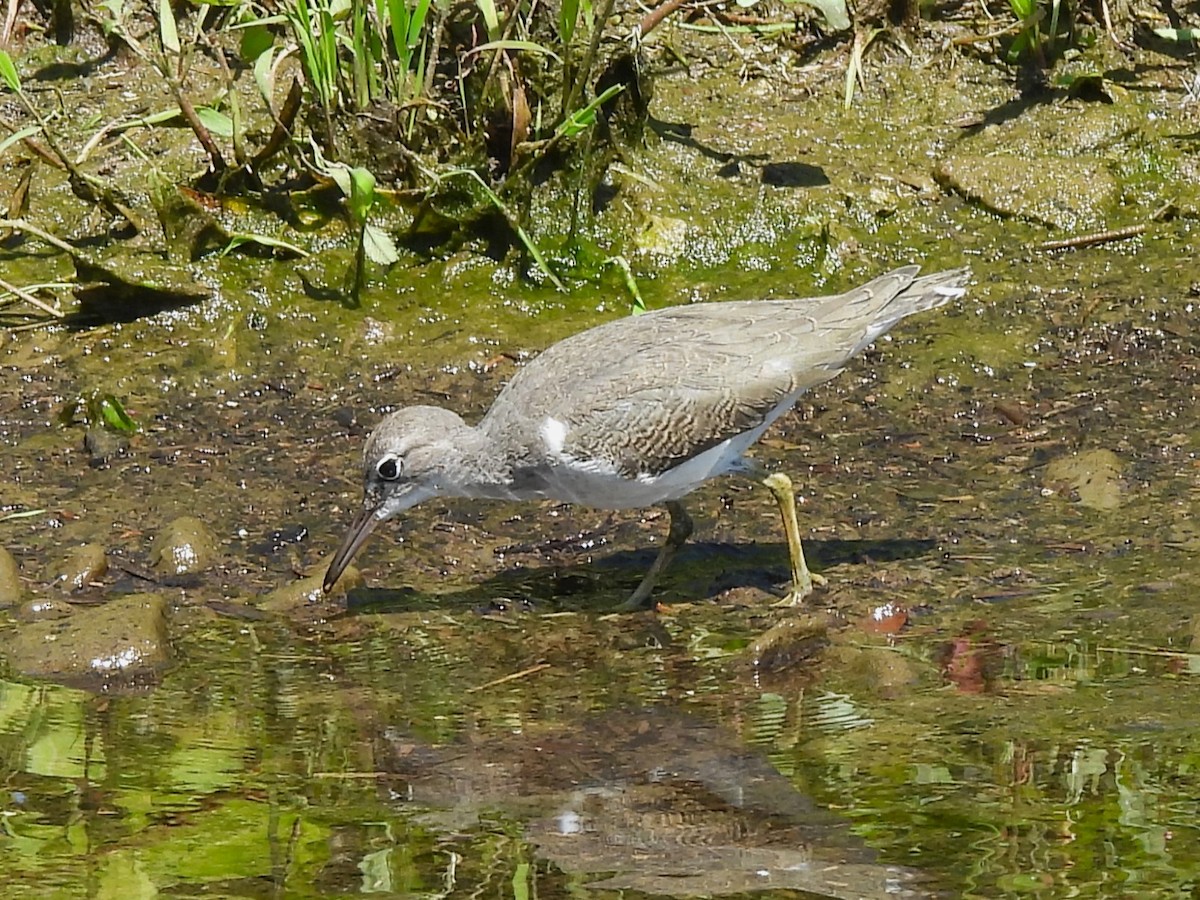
(473, 466)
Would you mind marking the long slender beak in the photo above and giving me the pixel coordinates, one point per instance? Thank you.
(360, 529)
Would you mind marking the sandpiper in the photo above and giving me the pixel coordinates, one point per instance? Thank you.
(640, 411)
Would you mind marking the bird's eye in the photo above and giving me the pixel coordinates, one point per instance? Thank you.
(388, 468)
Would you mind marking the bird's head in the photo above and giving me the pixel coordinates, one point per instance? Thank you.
(404, 463)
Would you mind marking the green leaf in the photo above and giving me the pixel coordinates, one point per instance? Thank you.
(264, 77)
(216, 122)
(1022, 9)
(490, 17)
(166, 27)
(255, 41)
(638, 306)
(114, 416)
(28, 131)
(379, 246)
(239, 238)
(517, 45)
(398, 18)
(513, 223)
(837, 16)
(417, 23)
(338, 172)
(362, 193)
(585, 118)
(568, 17)
(8, 73)
(1179, 35)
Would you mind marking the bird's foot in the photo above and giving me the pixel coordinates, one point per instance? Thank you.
(801, 589)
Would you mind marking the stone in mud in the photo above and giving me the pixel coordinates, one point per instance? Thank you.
(790, 643)
(185, 546)
(663, 237)
(122, 641)
(43, 609)
(1069, 194)
(85, 564)
(1093, 476)
(306, 593)
(11, 589)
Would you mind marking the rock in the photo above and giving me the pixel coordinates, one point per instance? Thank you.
(306, 594)
(102, 445)
(43, 610)
(11, 589)
(124, 641)
(663, 237)
(1071, 194)
(185, 546)
(790, 643)
(85, 564)
(1094, 476)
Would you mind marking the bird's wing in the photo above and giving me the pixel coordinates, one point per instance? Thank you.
(641, 397)
(640, 394)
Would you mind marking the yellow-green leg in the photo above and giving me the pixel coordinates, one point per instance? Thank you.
(677, 535)
(803, 580)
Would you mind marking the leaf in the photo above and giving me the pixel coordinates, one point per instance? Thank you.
(585, 118)
(340, 173)
(362, 193)
(379, 246)
(8, 73)
(255, 41)
(568, 17)
(167, 31)
(417, 23)
(264, 77)
(513, 223)
(114, 416)
(638, 306)
(837, 17)
(1179, 35)
(490, 17)
(216, 122)
(16, 136)
(239, 238)
(517, 45)
(399, 19)
(1022, 9)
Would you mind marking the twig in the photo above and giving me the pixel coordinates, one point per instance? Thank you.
(1097, 237)
(1164, 212)
(1146, 651)
(22, 225)
(653, 18)
(30, 299)
(964, 40)
(513, 677)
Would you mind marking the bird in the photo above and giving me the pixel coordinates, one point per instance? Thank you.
(640, 411)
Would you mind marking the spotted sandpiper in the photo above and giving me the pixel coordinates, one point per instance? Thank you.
(640, 411)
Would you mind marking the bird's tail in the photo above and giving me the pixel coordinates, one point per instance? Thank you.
(900, 294)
